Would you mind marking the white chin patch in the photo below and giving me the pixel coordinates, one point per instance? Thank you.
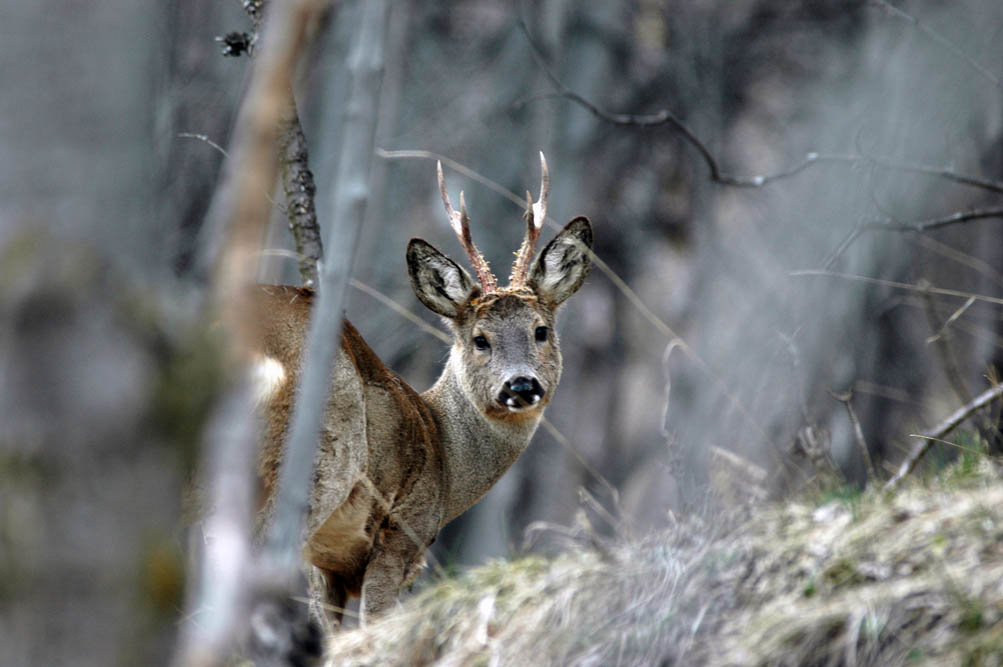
(515, 405)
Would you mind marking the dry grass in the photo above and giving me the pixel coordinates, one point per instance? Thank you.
(914, 578)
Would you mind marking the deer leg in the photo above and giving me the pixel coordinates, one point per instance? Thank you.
(393, 560)
(327, 598)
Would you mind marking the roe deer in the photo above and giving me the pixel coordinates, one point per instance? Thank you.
(393, 467)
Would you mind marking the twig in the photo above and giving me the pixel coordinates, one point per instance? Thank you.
(898, 285)
(204, 139)
(940, 39)
(963, 258)
(941, 339)
(942, 332)
(402, 311)
(940, 430)
(858, 433)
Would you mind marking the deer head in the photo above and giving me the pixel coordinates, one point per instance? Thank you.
(505, 353)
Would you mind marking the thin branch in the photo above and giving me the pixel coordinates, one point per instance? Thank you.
(940, 337)
(963, 258)
(946, 173)
(916, 227)
(939, 222)
(942, 332)
(941, 40)
(858, 433)
(898, 285)
(927, 438)
(402, 311)
(204, 139)
(351, 194)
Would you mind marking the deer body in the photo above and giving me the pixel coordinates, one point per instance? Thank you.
(393, 467)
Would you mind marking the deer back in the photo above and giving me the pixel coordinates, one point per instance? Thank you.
(379, 444)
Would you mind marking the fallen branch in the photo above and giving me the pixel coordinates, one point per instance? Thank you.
(927, 438)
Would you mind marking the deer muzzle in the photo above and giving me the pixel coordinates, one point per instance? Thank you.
(521, 393)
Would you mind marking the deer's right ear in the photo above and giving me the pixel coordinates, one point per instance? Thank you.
(438, 282)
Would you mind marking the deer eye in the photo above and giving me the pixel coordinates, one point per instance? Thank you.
(481, 343)
(541, 334)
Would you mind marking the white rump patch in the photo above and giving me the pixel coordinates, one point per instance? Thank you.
(268, 376)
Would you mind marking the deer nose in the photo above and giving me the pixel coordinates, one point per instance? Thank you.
(521, 392)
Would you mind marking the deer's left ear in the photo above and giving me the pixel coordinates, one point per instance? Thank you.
(563, 265)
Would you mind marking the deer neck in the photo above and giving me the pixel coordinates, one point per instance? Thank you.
(477, 452)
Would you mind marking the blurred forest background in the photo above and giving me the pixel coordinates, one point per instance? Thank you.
(829, 132)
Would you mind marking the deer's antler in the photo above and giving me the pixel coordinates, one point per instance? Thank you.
(461, 226)
(535, 215)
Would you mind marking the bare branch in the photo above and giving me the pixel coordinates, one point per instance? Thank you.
(898, 285)
(351, 193)
(858, 433)
(927, 438)
(918, 226)
(204, 139)
(941, 338)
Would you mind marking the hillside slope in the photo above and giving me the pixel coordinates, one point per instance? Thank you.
(912, 578)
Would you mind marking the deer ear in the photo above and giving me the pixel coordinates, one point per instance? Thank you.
(563, 265)
(439, 282)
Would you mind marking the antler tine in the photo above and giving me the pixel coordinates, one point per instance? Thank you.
(540, 208)
(535, 216)
(460, 223)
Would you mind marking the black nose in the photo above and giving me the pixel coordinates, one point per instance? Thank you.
(521, 392)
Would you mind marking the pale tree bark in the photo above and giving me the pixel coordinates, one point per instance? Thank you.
(351, 192)
(241, 210)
